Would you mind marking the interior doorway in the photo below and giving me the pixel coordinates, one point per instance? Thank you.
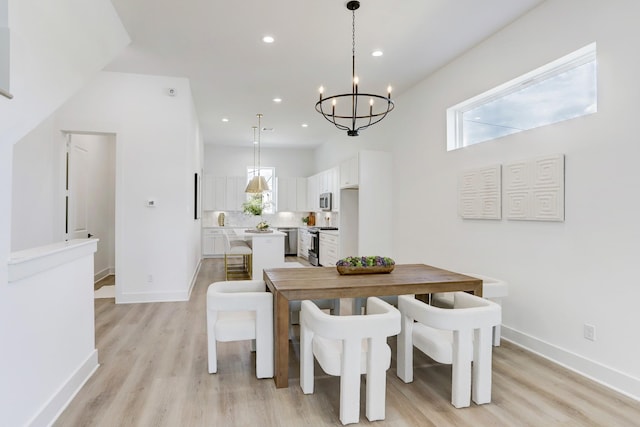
(90, 189)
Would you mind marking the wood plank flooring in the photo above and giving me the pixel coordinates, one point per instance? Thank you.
(153, 372)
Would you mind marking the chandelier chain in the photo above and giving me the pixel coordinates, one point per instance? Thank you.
(353, 33)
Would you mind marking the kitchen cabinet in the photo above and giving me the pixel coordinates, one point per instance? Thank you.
(312, 193)
(234, 193)
(208, 193)
(329, 249)
(324, 182)
(304, 242)
(212, 242)
(301, 189)
(292, 194)
(223, 193)
(349, 173)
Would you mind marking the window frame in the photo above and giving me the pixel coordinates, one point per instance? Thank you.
(455, 134)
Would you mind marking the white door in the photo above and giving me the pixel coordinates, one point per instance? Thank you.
(77, 190)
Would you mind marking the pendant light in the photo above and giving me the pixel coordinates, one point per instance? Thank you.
(257, 184)
(357, 111)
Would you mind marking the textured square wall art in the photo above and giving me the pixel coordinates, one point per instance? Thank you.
(479, 193)
(534, 189)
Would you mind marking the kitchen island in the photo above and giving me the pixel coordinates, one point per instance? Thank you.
(268, 249)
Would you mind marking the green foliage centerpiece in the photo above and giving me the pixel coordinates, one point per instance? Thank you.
(365, 265)
(254, 205)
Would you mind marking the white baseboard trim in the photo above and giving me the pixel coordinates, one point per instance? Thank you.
(194, 277)
(142, 297)
(605, 375)
(104, 273)
(52, 409)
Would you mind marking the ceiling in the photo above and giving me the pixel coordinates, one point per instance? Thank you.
(218, 46)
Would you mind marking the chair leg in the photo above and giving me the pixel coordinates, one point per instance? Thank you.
(306, 360)
(461, 369)
(350, 382)
(264, 344)
(404, 368)
(211, 342)
(376, 386)
(481, 384)
(496, 336)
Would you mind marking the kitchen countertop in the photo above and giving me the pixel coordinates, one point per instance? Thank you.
(331, 232)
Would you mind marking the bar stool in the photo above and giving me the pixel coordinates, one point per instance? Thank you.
(237, 248)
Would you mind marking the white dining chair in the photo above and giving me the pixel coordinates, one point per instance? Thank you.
(237, 311)
(348, 346)
(457, 336)
(492, 289)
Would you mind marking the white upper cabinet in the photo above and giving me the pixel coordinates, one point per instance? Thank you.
(292, 194)
(223, 193)
(349, 173)
(301, 193)
(313, 195)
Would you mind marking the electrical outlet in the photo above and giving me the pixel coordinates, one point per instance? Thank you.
(150, 278)
(589, 332)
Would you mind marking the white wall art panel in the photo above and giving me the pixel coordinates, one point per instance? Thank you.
(479, 193)
(534, 189)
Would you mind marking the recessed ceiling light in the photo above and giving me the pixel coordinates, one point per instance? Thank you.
(277, 99)
(224, 119)
(377, 52)
(268, 39)
(304, 125)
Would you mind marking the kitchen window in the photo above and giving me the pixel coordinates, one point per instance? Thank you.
(267, 196)
(561, 90)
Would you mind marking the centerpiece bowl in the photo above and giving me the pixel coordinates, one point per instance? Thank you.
(365, 265)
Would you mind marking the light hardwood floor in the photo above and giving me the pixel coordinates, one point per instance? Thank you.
(153, 372)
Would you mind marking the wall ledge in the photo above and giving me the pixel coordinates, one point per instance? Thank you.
(26, 263)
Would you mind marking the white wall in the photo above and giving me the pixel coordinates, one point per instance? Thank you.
(561, 274)
(35, 220)
(233, 161)
(156, 157)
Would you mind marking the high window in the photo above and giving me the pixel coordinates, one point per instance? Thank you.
(561, 90)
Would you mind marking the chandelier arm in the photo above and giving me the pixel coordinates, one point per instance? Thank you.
(320, 110)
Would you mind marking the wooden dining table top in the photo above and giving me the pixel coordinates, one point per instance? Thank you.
(296, 283)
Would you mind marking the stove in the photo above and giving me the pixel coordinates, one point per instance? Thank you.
(314, 251)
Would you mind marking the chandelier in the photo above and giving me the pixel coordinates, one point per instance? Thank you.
(359, 110)
(258, 183)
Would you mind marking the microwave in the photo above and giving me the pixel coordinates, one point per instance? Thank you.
(325, 201)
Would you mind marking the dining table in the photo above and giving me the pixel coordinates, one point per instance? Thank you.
(292, 284)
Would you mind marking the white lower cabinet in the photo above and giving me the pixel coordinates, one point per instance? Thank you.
(328, 249)
(212, 242)
(304, 241)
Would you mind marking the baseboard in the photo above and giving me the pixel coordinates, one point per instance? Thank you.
(194, 277)
(104, 273)
(65, 394)
(602, 374)
(142, 297)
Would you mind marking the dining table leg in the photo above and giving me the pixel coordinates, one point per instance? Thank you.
(281, 336)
